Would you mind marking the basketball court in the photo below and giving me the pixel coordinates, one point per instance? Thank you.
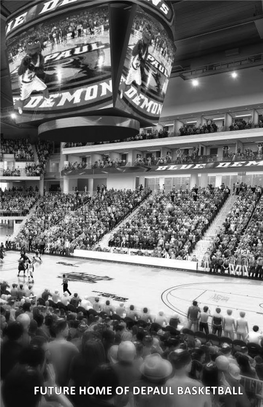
(158, 289)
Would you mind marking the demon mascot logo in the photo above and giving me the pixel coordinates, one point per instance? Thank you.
(31, 72)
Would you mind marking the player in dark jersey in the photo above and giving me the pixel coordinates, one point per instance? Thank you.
(23, 263)
(136, 71)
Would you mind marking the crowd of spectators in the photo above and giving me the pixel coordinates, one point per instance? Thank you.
(209, 127)
(185, 130)
(49, 212)
(107, 162)
(140, 136)
(250, 246)
(44, 150)
(62, 223)
(21, 148)
(181, 157)
(59, 340)
(170, 225)
(247, 154)
(241, 125)
(34, 170)
(16, 202)
(8, 172)
(224, 255)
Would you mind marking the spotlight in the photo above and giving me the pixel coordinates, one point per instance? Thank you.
(195, 82)
(13, 116)
(234, 75)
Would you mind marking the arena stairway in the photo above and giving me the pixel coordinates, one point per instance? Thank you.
(35, 153)
(22, 224)
(104, 242)
(203, 245)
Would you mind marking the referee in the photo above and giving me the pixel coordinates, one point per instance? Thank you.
(65, 285)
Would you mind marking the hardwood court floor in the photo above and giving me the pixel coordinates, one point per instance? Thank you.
(159, 289)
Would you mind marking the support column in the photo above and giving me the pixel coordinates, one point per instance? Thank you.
(193, 180)
(240, 146)
(255, 118)
(41, 186)
(66, 185)
(218, 182)
(177, 126)
(228, 121)
(130, 158)
(203, 120)
(95, 157)
(204, 149)
(142, 181)
(161, 183)
(90, 185)
(204, 180)
(199, 121)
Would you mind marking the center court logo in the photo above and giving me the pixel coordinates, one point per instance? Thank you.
(218, 298)
(86, 278)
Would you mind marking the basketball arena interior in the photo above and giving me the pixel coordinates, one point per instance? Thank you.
(131, 211)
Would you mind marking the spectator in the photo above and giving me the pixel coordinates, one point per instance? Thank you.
(217, 322)
(155, 372)
(254, 336)
(62, 353)
(193, 315)
(203, 321)
(242, 327)
(181, 363)
(229, 325)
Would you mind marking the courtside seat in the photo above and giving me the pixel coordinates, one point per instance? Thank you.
(201, 336)
(226, 339)
(254, 349)
(188, 332)
(238, 342)
(71, 308)
(214, 339)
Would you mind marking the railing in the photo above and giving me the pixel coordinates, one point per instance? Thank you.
(186, 159)
(21, 172)
(254, 390)
(151, 136)
(14, 212)
(80, 167)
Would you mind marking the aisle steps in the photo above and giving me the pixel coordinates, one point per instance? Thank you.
(216, 226)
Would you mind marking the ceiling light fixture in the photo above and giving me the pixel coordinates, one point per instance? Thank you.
(195, 82)
(234, 75)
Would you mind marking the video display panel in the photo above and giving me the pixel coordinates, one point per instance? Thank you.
(147, 68)
(62, 63)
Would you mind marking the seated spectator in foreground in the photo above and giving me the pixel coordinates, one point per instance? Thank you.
(255, 336)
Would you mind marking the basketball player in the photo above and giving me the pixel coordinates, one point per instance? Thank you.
(31, 72)
(139, 55)
(30, 271)
(37, 257)
(22, 264)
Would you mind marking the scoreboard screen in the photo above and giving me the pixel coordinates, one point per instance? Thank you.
(147, 68)
(62, 63)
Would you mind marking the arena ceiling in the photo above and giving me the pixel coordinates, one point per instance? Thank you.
(211, 37)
